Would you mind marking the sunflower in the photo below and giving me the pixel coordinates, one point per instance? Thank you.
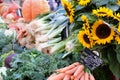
(117, 16)
(117, 38)
(85, 39)
(86, 28)
(69, 9)
(102, 12)
(83, 2)
(86, 23)
(102, 33)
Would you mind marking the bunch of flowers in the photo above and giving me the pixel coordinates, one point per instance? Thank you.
(97, 23)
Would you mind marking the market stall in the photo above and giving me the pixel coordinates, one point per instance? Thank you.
(60, 40)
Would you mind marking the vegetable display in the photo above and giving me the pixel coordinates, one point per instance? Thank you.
(44, 33)
(8, 60)
(74, 71)
(34, 65)
(76, 40)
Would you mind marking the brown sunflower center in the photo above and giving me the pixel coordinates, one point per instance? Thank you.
(67, 10)
(86, 39)
(103, 31)
(101, 13)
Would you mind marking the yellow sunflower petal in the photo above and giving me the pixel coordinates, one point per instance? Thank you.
(117, 16)
(84, 39)
(117, 38)
(102, 12)
(86, 25)
(84, 18)
(84, 2)
(118, 27)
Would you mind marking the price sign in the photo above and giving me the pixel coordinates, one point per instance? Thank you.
(90, 59)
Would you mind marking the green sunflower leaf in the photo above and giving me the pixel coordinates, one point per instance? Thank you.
(118, 52)
(100, 2)
(79, 7)
(114, 7)
(113, 63)
(115, 68)
(113, 1)
(118, 57)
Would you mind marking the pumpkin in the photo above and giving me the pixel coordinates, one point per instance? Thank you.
(31, 8)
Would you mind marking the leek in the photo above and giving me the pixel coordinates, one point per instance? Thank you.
(58, 22)
(58, 47)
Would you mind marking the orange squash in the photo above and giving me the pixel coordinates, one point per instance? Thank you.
(31, 8)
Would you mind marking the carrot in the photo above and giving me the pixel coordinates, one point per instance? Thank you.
(62, 70)
(76, 63)
(91, 77)
(58, 76)
(53, 75)
(82, 77)
(72, 78)
(78, 71)
(79, 76)
(67, 77)
(71, 71)
(86, 76)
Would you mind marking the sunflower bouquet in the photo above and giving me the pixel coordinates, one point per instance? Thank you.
(97, 25)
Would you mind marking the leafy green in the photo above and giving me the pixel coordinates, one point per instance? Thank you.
(8, 43)
(102, 73)
(3, 25)
(4, 40)
(34, 65)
